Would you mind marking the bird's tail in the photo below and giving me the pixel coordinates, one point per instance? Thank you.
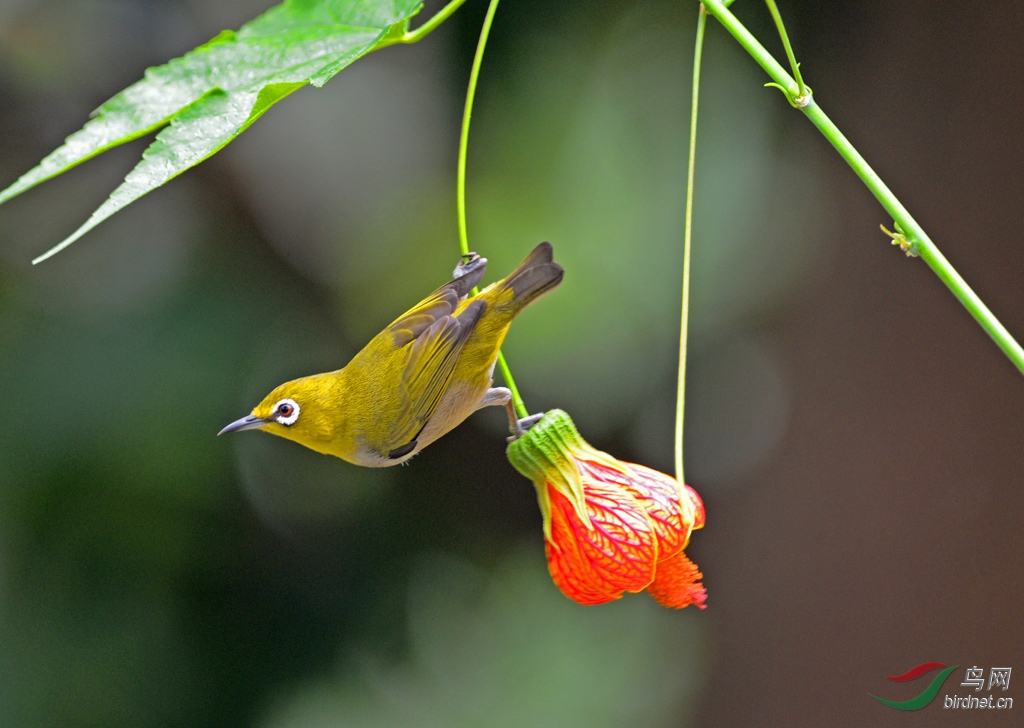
(534, 277)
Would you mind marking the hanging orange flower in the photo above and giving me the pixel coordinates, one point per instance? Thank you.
(609, 526)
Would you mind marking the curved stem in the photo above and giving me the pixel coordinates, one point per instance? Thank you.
(698, 48)
(923, 245)
(428, 27)
(401, 34)
(467, 115)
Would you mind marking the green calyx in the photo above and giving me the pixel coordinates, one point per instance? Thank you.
(547, 454)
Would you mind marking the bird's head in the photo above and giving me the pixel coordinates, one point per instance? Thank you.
(295, 410)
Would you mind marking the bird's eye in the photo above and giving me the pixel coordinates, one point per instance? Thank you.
(286, 412)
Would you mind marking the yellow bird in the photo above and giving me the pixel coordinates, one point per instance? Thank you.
(418, 378)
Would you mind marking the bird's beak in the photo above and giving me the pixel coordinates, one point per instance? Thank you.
(249, 422)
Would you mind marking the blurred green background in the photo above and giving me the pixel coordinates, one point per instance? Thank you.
(857, 440)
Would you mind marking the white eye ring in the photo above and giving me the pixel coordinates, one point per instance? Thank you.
(290, 413)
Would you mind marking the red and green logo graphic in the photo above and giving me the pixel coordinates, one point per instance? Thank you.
(929, 692)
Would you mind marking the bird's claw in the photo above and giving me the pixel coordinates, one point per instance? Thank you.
(468, 263)
(518, 427)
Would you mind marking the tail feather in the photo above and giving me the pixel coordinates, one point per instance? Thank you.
(543, 253)
(534, 277)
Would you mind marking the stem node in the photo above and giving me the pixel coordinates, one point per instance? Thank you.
(907, 245)
(920, 243)
(796, 99)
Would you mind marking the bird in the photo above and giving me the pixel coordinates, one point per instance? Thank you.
(418, 378)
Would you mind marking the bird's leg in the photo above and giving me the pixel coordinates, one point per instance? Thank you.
(502, 395)
(495, 396)
(513, 421)
(517, 426)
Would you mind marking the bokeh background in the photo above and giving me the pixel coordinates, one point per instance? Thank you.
(857, 439)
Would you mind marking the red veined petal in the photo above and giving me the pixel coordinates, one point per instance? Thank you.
(617, 553)
(677, 583)
(659, 495)
(698, 504)
(575, 581)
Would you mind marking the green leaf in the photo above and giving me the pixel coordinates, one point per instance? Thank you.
(212, 94)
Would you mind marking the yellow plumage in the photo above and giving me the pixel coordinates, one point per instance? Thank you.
(417, 379)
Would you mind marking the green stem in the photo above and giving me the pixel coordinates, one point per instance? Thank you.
(428, 27)
(399, 35)
(804, 91)
(698, 48)
(921, 242)
(506, 374)
(467, 116)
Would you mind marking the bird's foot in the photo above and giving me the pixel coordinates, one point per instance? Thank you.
(467, 264)
(518, 426)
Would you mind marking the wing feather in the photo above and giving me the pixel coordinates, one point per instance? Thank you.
(429, 366)
(411, 325)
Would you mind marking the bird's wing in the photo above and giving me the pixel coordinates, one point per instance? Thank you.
(433, 339)
(441, 302)
(414, 322)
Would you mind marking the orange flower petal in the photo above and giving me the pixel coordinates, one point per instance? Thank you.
(659, 495)
(617, 553)
(575, 582)
(677, 583)
(609, 526)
